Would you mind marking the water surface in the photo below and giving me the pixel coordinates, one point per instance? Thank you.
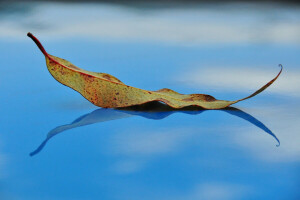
(227, 51)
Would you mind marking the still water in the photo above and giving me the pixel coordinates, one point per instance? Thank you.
(56, 145)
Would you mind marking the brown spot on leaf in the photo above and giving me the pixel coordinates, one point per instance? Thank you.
(167, 90)
(106, 76)
(209, 98)
(87, 78)
(200, 97)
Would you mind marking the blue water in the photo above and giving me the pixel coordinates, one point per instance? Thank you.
(56, 145)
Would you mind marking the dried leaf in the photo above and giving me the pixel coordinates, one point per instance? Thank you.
(107, 91)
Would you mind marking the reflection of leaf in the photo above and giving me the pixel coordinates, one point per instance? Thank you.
(251, 119)
(107, 91)
(152, 110)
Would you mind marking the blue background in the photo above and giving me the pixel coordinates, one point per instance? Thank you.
(117, 154)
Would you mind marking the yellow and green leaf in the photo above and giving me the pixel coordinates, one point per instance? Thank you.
(105, 90)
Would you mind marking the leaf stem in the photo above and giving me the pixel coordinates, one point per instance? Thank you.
(37, 42)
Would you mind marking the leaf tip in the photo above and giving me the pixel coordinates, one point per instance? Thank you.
(278, 145)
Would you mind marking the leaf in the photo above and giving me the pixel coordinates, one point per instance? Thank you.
(154, 111)
(107, 91)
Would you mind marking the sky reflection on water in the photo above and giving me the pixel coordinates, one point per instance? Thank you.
(212, 156)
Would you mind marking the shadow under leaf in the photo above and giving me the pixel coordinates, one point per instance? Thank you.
(151, 110)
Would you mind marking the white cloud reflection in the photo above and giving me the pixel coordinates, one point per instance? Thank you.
(218, 191)
(246, 79)
(147, 143)
(229, 23)
(139, 147)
